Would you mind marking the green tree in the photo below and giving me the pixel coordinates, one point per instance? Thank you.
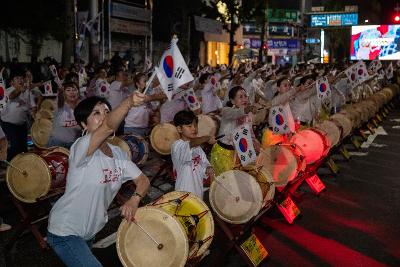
(231, 13)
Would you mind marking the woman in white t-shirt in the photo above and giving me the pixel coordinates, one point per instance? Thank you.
(138, 119)
(65, 128)
(96, 173)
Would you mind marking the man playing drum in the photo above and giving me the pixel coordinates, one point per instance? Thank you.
(96, 173)
(190, 162)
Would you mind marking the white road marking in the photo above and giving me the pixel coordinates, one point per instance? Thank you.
(395, 120)
(396, 127)
(378, 145)
(371, 138)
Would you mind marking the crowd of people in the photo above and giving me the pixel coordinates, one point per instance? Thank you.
(94, 103)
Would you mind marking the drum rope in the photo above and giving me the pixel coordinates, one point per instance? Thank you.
(159, 245)
(24, 173)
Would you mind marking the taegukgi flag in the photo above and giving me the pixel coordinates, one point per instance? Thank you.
(172, 72)
(244, 145)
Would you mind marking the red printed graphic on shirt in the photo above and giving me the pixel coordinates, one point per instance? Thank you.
(111, 175)
(196, 161)
(70, 123)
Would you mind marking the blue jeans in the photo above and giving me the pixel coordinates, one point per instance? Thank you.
(74, 251)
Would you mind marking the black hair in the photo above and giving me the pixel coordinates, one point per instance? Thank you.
(83, 110)
(232, 94)
(185, 117)
(72, 77)
(70, 84)
(279, 81)
(203, 78)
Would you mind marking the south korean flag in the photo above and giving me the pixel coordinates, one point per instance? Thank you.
(351, 76)
(324, 92)
(48, 89)
(375, 65)
(281, 119)
(361, 71)
(244, 145)
(191, 99)
(103, 89)
(3, 96)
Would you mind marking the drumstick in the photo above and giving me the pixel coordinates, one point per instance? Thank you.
(159, 245)
(24, 173)
(229, 191)
(149, 82)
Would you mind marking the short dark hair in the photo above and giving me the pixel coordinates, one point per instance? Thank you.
(203, 78)
(185, 117)
(84, 108)
(232, 94)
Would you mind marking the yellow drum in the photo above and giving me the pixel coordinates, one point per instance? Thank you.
(194, 216)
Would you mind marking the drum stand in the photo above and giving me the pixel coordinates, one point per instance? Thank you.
(233, 235)
(32, 218)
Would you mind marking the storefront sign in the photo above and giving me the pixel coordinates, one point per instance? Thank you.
(274, 30)
(207, 25)
(334, 19)
(283, 15)
(130, 12)
(283, 44)
(129, 27)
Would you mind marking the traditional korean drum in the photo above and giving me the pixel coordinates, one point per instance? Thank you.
(312, 143)
(41, 131)
(34, 175)
(162, 137)
(207, 125)
(264, 179)
(236, 196)
(135, 244)
(332, 131)
(135, 145)
(195, 217)
(283, 162)
(344, 122)
(49, 104)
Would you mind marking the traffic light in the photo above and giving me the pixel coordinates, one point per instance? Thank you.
(396, 18)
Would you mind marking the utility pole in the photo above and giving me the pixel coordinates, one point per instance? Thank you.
(94, 43)
(303, 27)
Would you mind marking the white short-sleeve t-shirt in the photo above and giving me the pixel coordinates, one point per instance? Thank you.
(65, 127)
(190, 166)
(92, 183)
(17, 110)
(117, 93)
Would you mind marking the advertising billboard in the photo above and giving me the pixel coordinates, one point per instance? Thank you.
(333, 19)
(375, 41)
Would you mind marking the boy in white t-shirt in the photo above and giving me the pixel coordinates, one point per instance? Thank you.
(191, 165)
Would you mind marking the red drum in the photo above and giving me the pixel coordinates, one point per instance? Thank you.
(283, 162)
(313, 144)
(33, 175)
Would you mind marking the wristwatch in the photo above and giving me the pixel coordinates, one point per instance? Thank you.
(137, 194)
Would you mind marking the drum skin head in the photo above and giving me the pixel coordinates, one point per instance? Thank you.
(344, 122)
(162, 137)
(136, 249)
(311, 143)
(116, 141)
(242, 202)
(264, 179)
(206, 126)
(190, 205)
(37, 181)
(331, 130)
(41, 130)
(280, 162)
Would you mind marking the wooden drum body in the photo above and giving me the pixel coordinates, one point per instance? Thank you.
(312, 143)
(135, 145)
(37, 174)
(194, 216)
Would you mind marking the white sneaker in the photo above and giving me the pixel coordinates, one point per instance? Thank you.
(4, 227)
